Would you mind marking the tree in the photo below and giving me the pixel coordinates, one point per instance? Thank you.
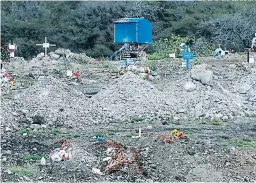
(233, 31)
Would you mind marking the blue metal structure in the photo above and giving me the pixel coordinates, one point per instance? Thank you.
(133, 30)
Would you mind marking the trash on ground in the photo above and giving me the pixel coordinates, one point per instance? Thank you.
(63, 153)
(107, 159)
(101, 139)
(43, 161)
(167, 139)
(69, 73)
(120, 156)
(76, 75)
(97, 171)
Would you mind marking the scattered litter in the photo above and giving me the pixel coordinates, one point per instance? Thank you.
(101, 139)
(97, 171)
(43, 161)
(149, 127)
(109, 150)
(107, 159)
(69, 73)
(63, 153)
(167, 139)
(172, 55)
(122, 156)
(76, 75)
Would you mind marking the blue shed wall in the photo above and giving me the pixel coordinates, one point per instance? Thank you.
(125, 33)
(144, 31)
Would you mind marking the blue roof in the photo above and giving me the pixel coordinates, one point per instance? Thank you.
(129, 20)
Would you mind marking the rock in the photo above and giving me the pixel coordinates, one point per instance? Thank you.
(232, 150)
(4, 159)
(204, 173)
(54, 56)
(150, 77)
(7, 129)
(176, 118)
(218, 116)
(204, 76)
(35, 126)
(74, 83)
(24, 111)
(153, 73)
(227, 163)
(225, 118)
(199, 110)
(243, 89)
(43, 125)
(251, 93)
(38, 120)
(9, 172)
(143, 75)
(63, 52)
(189, 86)
(8, 152)
(180, 178)
(40, 56)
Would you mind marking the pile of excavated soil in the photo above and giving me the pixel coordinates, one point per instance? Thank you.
(55, 102)
(129, 96)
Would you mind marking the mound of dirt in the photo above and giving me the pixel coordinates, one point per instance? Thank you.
(127, 97)
(50, 99)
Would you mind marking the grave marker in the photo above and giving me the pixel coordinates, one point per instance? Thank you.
(187, 55)
(45, 45)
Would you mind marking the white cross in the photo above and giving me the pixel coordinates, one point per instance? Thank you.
(45, 45)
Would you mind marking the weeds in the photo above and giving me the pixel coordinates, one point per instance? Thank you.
(33, 157)
(54, 132)
(215, 122)
(28, 170)
(23, 131)
(244, 142)
(136, 119)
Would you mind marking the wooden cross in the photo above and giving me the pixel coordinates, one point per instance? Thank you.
(45, 45)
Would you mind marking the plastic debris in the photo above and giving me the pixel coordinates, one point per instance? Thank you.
(97, 171)
(76, 75)
(69, 73)
(167, 139)
(63, 153)
(43, 161)
(109, 150)
(107, 159)
(101, 139)
(121, 156)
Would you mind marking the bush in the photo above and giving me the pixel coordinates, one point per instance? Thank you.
(163, 47)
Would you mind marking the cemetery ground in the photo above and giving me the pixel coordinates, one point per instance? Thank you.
(213, 105)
